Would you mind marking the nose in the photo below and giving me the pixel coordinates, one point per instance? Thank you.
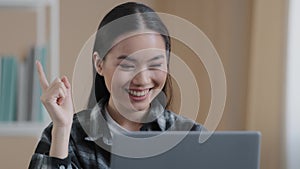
(141, 78)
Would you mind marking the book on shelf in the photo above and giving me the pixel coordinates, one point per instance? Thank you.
(20, 89)
(36, 112)
(8, 88)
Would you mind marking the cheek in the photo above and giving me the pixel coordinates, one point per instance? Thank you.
(120, 79)
(111, 78)
(160, 77)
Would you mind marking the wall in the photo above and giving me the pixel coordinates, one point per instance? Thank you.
(266, 78)
(18, 32)
(16, 151)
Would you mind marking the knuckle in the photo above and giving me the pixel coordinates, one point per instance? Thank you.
(60, 84)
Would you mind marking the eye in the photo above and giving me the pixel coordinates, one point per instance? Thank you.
(126, 66)
(155, 66)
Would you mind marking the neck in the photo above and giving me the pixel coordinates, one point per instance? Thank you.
(133, 120)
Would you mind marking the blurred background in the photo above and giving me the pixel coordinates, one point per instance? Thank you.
(254, 39)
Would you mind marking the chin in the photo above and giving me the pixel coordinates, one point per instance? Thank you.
(140, 107)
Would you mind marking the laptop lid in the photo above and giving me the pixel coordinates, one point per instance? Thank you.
(179, 150)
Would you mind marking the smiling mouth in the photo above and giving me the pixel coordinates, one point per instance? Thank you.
(138, 93)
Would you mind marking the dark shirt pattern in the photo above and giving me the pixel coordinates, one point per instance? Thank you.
(84, 149)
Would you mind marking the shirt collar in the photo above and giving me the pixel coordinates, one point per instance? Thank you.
(97, 128)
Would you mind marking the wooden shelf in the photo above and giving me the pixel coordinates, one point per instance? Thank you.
(39, 6)
(21, 3)
(22, 128)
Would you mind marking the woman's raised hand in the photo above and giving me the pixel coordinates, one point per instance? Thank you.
(57, 99)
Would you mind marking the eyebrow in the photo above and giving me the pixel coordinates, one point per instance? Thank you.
(124, 57)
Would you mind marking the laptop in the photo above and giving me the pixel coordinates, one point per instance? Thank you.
(182, 150)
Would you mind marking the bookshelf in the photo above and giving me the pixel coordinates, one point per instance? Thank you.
(40, 8)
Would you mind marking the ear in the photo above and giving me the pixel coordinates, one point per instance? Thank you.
(98, 63)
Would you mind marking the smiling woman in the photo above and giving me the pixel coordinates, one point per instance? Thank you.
(135, 72)
(131, 92)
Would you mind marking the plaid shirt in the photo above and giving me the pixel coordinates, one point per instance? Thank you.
(90, 138)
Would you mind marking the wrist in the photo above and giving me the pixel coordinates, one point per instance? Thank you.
(61, 135)
(60, 141)
(62, 126)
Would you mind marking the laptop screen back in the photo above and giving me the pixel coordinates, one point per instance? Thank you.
(180, 150)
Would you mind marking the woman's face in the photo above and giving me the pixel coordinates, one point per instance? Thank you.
(135, 71)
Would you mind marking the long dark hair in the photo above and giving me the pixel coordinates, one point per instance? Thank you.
(121, 20)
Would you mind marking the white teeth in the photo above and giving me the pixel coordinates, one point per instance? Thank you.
(138, 93)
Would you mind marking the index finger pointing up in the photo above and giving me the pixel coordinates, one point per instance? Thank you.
(43, 80)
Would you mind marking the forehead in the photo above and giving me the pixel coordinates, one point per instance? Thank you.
(143, 43)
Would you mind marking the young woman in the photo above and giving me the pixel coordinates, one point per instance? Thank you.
(130, 93)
